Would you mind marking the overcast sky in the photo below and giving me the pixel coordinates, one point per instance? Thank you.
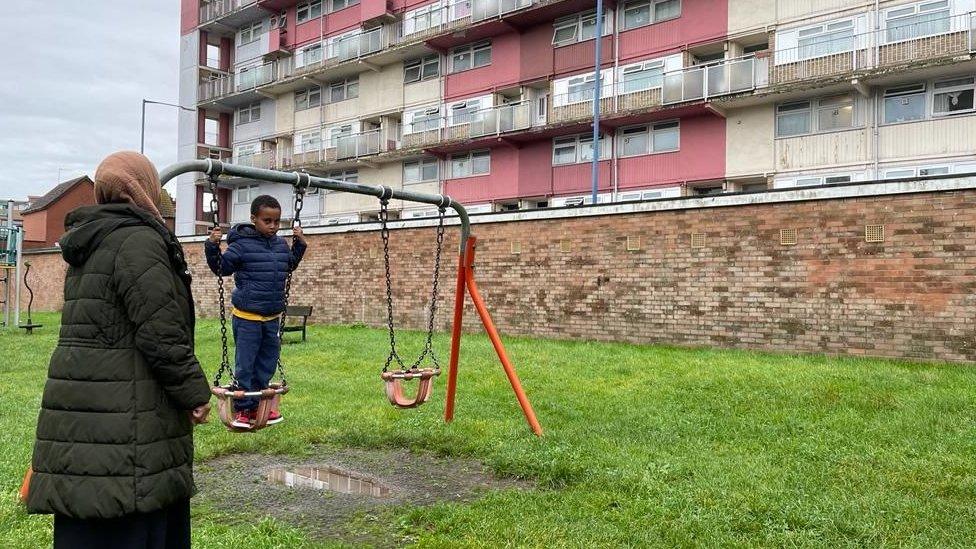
(74, 76)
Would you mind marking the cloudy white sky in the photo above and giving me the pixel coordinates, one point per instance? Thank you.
(74, 76)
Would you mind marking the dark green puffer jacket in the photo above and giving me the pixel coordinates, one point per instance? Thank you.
(114, 436)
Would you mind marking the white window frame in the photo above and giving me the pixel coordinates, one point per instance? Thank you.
(649, 131)
(577, 22)
(245, 194)
(349, 176)
(333, 133)
(812, 112)
(471, 50)
(465, 112)
(419, 165)
(427, 114)
(825, 29)
(423, 18)
(306, 56)
(916, 11)
(334, 5)
(252, 33)
(967, 86)
(313, 10)
(580, 143)
(919, 89)
(305, 141)
(303, 98)
(420, 65)
(651, 13)
(252, 112)
(906, 172)
(644, 66)
(346, 85)
(469, 157)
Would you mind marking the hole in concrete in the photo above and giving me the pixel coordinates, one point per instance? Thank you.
(329, 478)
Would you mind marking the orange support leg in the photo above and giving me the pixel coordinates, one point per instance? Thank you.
(496, 341)
(456, 335)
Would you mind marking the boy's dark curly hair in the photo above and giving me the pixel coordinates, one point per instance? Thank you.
(264, 201)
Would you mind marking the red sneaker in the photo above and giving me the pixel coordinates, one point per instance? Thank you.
(243, 420)
(274, 416)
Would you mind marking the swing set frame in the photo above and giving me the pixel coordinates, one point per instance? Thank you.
(465, 283)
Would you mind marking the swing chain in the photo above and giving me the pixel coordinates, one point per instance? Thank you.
(385, 235)
(299, 202)
(215, 218)
(428, 344)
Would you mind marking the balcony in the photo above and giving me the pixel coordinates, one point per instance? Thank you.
(236, 83)
(344, 149)
(898, 46)
(267, 159)
(482, 10)
(336, 53)
(705, 82)
(496, 120)
(232, 13)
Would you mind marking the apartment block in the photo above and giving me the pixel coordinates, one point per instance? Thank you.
(492, 101)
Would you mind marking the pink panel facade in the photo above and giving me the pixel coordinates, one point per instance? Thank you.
(700, 22)
(535, 169)
(308, 31)
(577, 178)
(500, 73)
(579, 57)
(189, 15)
(371, 9)
(701, 156)
(501, 183)
(343, 20)
(536, 53)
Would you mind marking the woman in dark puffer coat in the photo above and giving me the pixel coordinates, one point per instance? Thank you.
(114, 450)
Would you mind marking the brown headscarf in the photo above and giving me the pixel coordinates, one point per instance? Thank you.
(128, 177)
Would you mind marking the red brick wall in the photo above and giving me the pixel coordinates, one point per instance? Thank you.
(910, 296)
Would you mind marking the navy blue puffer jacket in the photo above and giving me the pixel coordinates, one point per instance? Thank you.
(259, 264)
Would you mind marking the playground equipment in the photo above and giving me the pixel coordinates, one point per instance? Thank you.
(30, 326)
(269, 398)
(465, 285)
(11, 242)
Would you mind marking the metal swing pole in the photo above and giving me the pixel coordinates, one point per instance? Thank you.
(465, 282)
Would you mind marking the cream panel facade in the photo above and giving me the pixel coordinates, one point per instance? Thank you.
(752, 15)
(381, 92)
(747, 15)
(285, 112)
(422, 93)
(749, 141)
(833, 149)
(307, 118)
(390, 175)
(792, 10)
(928, 139)
(342, 111)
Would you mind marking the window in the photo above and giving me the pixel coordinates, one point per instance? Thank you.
(904, 104)
(644, 12)
(309, 56)
(249, 34)
(423, 120)
(343, 90)
(578, 28)
(826, 39)
(308, 98)
(576, 149)
(916, 21)
(465, 112)
(349, 176)
(337, 132)
(249, 113)
(904, 173)
(421, 69)
(661, 137)
(834, 113)
(833, 179)
(336, 5)
(421, 19)
(952, 96)
(242, 195)
(470, 57)
(643, 76)
(460, 9)
(213, 56)
(581, 88)
(793, 119)
(211, 131)
(468, 164)
(425, 169)
(309, 11)
(310, 141)
(937, 170)
(243, 151)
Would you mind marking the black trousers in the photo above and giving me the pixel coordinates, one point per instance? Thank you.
(168, 528)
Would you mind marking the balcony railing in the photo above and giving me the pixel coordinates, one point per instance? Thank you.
(495, 120)
(216, 9)
(435, 19)
(348, 147)
(707, 81)
(335, 52)
(886, 48)
(236, 82)
(486, 9)
(265, 159)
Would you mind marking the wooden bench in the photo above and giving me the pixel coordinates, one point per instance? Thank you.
(295, 311)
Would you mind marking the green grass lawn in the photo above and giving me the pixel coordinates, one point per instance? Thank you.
(644, 446)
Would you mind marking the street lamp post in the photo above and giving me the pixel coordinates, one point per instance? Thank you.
(142, 138)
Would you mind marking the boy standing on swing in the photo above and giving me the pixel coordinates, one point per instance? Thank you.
(260, 261)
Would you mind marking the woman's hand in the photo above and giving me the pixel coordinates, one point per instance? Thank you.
(300, 235)
(199, 414)
(215, 235)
